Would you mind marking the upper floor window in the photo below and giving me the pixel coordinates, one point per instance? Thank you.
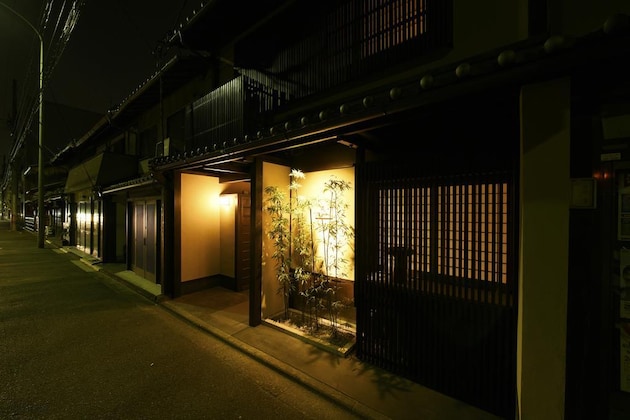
(388, 23)
(350, 40)
(148, 140)
(176, 132)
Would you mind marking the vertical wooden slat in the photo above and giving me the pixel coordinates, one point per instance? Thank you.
(359, 37)
(432, 327)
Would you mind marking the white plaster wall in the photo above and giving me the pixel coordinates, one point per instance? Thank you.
(579, 17)
(544, 241)
(200, 226)
(484, 25)
(228, 233)
(487, 24)
(272, 301)
(312, 187)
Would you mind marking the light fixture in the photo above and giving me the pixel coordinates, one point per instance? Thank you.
(227, 200)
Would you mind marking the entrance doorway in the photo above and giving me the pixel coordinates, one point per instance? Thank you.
(144, 241)
(243, 241)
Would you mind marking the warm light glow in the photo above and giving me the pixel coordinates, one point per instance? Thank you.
(312, 190)
(227, 200)
(81, 217)
(471, 226)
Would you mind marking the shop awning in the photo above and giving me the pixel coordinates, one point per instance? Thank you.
(100, 171)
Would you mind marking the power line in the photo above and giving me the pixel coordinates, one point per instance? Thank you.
(56, 38)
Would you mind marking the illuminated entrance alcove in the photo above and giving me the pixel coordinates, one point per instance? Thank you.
(308, 254)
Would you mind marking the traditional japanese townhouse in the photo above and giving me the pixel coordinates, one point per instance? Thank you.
(471, 136)
(20, 180)
(486, 149)
(113, 201)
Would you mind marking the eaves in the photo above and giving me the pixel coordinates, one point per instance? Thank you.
(133, 183)
(207, 30)
(177, 71)
(352, 112)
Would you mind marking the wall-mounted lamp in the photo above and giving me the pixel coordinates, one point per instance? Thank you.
(227, 200)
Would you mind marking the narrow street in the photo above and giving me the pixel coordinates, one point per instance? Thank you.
(77, 344)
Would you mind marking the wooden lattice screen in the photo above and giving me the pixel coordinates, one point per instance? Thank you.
(436, 285)
(350, 39)
(217, 117)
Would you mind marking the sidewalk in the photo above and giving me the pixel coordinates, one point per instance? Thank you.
(367, 391)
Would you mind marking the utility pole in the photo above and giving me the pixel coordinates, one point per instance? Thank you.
(41, 227)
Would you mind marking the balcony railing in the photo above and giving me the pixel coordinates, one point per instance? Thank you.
(350, 41)
(230, 111)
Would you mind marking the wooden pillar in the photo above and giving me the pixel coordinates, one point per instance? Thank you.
(176, 289)
(255, 286)
(167, 231)
(72, 229)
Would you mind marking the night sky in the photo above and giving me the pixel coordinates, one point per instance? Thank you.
(108, 55)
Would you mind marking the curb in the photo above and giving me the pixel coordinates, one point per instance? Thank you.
(139, 290)
(296, 375)
(290, 372)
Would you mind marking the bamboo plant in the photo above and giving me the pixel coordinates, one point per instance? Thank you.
(308, 251)
(277, 208)
(336, 236)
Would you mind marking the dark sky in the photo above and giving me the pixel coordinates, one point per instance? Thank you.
(108, 55)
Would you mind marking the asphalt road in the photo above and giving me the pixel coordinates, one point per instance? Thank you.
(75, 344)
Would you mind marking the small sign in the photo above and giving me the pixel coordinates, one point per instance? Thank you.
(605, 157)
(583, 193)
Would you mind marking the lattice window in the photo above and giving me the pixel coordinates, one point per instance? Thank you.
(472, 231)
(406, 225)
(453, 230)
(388, 23)
(352, 39)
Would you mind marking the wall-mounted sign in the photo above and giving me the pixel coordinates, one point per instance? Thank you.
(606, 157)
(583, 193)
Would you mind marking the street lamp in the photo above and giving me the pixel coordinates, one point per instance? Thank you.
(41, 226)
